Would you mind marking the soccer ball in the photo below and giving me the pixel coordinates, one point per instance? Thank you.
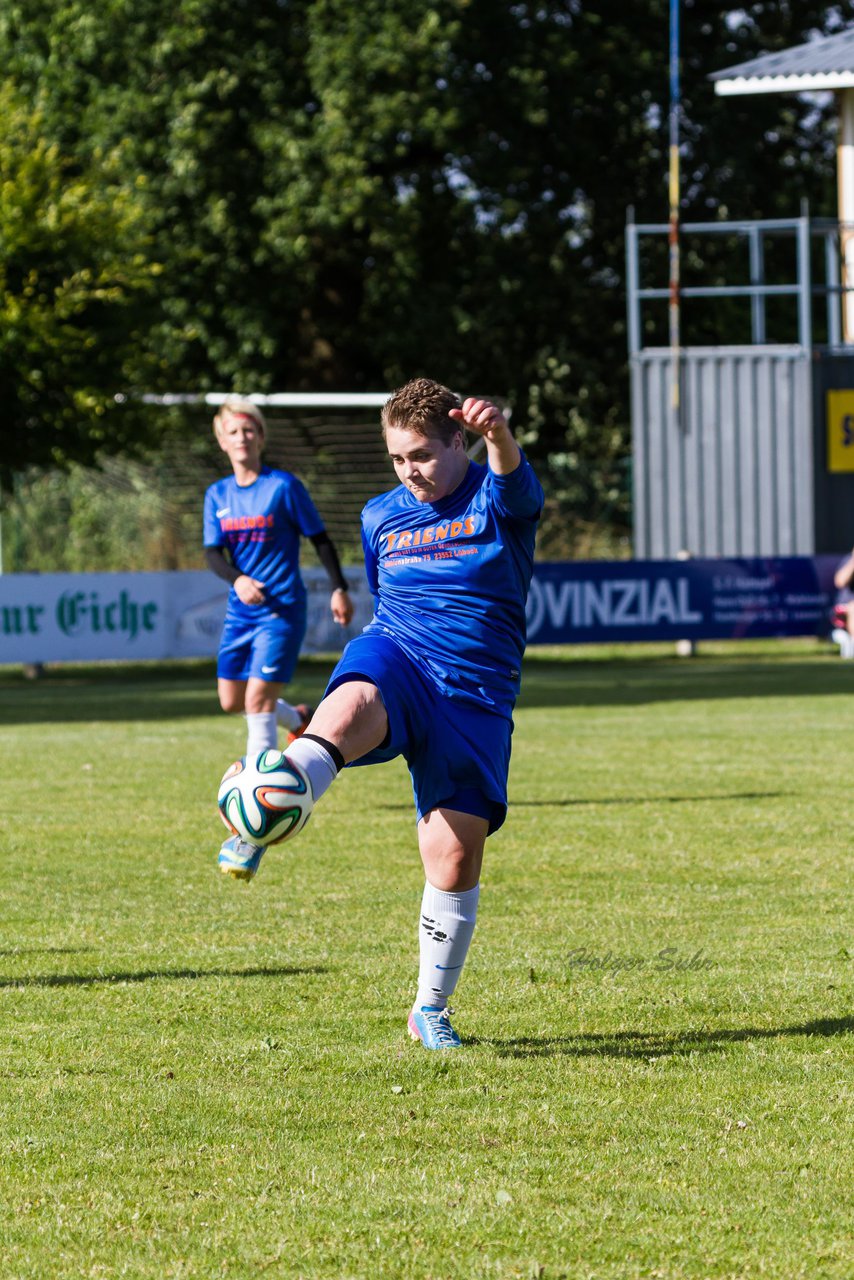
(265, 798)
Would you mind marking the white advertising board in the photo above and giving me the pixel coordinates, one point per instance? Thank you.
(87, 617)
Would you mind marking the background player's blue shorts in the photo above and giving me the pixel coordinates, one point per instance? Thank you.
(458, 754)
(267, 649)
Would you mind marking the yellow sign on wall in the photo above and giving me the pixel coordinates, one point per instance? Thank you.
(840, 430)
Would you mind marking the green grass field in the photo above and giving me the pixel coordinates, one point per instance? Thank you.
(206, 1079)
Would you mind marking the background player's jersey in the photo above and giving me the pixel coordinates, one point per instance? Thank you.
(261, 524)
(450, 579)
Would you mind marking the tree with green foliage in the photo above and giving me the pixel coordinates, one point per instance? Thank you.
(74, 261)
(345, 194)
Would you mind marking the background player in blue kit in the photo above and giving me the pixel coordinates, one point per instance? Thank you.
(434, 676)
(257, 516)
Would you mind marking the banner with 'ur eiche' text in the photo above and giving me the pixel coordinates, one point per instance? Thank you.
(66, 617)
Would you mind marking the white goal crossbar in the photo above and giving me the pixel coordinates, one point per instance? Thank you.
(282, 399)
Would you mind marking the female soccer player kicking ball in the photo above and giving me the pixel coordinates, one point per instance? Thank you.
(435, 675)
(257, 515)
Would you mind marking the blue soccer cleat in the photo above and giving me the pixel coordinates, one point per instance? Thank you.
(433, 1028)
(240, 859)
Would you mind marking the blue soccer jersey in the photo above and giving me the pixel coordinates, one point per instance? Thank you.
(261, 524)
(450, 580)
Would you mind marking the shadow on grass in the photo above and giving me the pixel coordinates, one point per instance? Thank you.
(42, 951)
(633, 683)
(148, 692)
(155, 975)
(592, 801)
(172, 691)
(597, 800)
(67, 700)
(648, 1045)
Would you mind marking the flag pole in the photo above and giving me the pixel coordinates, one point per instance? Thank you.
(673, 236)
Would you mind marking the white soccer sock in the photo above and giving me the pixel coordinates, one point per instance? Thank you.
(317, 763)
(447, 925)
(288, 717)
(260, 731)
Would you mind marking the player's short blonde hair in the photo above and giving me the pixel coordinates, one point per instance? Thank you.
(237, 404)
(422, 405)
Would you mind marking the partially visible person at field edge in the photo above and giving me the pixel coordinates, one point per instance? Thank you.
(435, 675)
(843, 607)
(253, 522)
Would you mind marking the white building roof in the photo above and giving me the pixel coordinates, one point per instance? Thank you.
(819, 64)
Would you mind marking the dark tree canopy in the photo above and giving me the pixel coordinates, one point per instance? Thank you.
(332, 194)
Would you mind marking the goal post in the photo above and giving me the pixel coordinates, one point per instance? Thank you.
(279, 399)
(331, 440)
(142, 509)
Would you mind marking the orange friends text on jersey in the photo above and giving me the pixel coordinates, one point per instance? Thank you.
(433, 533)
(235, 523)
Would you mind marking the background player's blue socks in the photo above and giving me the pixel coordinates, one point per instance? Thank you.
(447, 925)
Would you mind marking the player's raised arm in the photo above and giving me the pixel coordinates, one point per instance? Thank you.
(844, 573)
(486, 419)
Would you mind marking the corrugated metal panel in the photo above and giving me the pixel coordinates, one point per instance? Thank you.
(733, 473)
(831, 54)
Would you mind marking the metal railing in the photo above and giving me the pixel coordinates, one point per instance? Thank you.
(805, 231)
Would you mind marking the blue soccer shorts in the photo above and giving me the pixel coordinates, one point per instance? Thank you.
(458, 754)
(267, 649)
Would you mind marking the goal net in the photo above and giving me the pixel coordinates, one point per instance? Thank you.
(331, 441)
(145, 512)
